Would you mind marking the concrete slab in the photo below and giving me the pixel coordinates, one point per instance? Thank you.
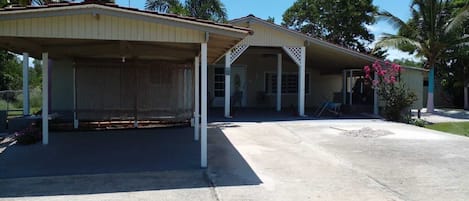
(140, 164)
(286, 160)
(443, 115)
(96, 152)
(315, 160)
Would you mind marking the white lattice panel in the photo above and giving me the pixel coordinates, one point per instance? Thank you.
(294, 53)
(237, 51)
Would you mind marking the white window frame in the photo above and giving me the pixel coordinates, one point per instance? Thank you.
(307, 76)
(215, 82)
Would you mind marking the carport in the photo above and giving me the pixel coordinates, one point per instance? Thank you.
(279, 69)
(105, 61)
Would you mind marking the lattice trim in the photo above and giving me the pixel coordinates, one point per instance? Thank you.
(294, 53)
(237, 51)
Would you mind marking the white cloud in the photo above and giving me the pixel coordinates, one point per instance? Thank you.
(397, 54)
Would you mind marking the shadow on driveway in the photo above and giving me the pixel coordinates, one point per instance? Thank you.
(120, 161)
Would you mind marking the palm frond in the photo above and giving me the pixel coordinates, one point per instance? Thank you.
(459, 20)
(398, 42)
(394, 21)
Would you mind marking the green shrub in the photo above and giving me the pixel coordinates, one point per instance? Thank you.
(396, 96)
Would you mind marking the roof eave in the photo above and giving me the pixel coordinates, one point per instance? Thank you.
(236, 32)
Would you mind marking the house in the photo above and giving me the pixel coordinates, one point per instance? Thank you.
(106, 62)
(304, 70)
(103, 61)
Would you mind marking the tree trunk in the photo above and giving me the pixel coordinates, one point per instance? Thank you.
(431, 88)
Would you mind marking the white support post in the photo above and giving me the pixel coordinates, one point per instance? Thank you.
(203, 136)
(375, 97)
(196, 98)
(75, 117)
(466, 97)
(351, 87)
(301, 90)
(344, 90)
(279, 82)
(45, 98)
(227, 83)
(25, 84)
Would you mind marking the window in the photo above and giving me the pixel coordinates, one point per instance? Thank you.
(289, 83)
(219, 89)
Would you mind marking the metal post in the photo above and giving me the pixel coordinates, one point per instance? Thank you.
(301, 73)
(75, 117)
(466, 97)
(279, 82)
(351, 87)
(431, 88)
(45, 98)
(203, 136)
(196, 98)
(344, 90)
(25, 84)
(227, 83)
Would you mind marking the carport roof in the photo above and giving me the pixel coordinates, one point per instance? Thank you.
(29, 11)
(96, 30)
(320, 52)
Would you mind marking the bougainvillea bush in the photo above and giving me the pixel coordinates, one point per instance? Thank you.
(396, 96)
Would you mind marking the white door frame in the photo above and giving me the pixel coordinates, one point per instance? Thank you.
(220, 101)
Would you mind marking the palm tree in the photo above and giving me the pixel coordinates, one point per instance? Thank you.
(202, 9)
(435, 27)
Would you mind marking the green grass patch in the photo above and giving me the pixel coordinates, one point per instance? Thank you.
(459, 128)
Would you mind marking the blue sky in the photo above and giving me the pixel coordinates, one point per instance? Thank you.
(275, 8)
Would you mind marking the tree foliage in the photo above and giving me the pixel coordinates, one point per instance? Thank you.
(434, 28)
(271, 19)
(10, 71)
(202, 9)
(408, 62)
(341, 21)
(435, 32)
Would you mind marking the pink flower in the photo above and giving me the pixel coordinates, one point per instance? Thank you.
(386, 80)
(366, 69)
(375, 82)
(396, 67)
(381, 72)
(392, 79)
(376, 66)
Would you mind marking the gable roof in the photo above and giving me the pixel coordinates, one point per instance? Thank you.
(309, 39)
(85, 7)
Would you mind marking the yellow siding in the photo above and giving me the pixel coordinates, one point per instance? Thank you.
(102, 27)
(414, 81)
(270, 37)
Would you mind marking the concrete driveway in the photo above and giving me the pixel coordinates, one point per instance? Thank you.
(330, 160)
(289, 160)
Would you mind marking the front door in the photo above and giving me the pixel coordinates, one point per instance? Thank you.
(238, 87)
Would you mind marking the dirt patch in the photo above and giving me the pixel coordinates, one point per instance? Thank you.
(367, 133)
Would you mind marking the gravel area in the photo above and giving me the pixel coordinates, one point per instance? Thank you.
(367, 132)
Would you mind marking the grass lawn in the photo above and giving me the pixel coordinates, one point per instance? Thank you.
(459, 128)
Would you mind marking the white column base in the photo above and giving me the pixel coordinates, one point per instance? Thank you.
(75, 123)
(430, 104)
